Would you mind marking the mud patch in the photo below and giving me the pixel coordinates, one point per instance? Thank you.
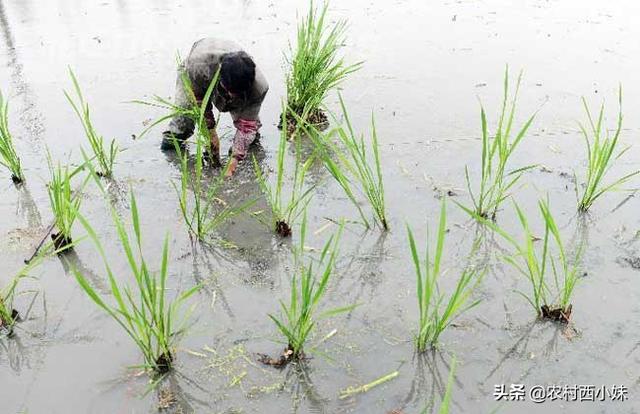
(166, 399)
(60, 242)
(163, 363)
(19, 237)
(318, 119)
(557, 313)
(283, 229)
(283, 360)
(630, 261)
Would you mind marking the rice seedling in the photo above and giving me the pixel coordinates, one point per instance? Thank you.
(145, 312)
(285, 211)
(353, 166)
(602, 152)
(308, 286)
(105, 156)
(8, 314)
(65, 203)
(539, 265)
(202, 214)
(536, 267)
(8, 155)
(314, 66)
(436, 310)
(496, 181)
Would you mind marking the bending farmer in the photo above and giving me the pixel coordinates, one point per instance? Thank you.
(241, 89)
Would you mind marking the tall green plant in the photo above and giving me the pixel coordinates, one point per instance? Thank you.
(147, 315)
(8, 155)
(542, 268)
(602, 152)
(8, 314)
(351, 165)
(314, 65)
(436, 310)
(496, 181)
(64, 201)
(286, 210)
(308, 286)
(105, 156)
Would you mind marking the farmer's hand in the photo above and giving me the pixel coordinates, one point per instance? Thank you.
(231, 168)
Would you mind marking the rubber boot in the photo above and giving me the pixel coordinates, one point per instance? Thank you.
(169, 142)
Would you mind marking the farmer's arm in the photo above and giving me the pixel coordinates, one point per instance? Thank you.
(247, 122)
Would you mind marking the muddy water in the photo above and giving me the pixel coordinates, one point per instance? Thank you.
(426, 65)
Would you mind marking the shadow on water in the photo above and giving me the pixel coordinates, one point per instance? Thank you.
(168, 393)
(521, 348)
(15, 352)
(209, 281)
(369, 263)
(306, 149)
(71, 262)
(27, 208)
(248, 237)
(173, 399)
(429, 383)
(298, 380)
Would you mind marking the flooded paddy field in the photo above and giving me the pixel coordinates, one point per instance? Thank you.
(426, 66)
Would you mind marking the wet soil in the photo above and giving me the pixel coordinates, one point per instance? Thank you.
(557, 313)
(317, 119)
(283, 229)
(285, 358)
(164, 363)
(60, 242)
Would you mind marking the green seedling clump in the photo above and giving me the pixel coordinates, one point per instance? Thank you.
(496, 181)
(308, 287)
(601, 154)
(314, 67)
(9, 316)
(65, 203)
(285, 211)
(8, 155)
(105, 156)
(351, 165)
(148, 316)
(436, 310)
(542, 269)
